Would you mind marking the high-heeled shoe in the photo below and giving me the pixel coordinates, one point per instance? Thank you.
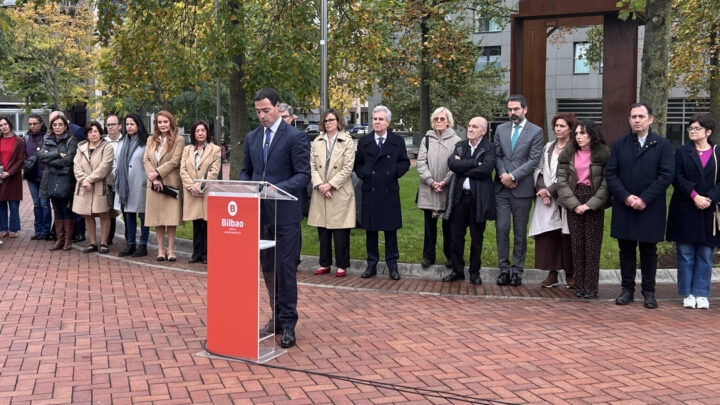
(160, 257)
(170, 258)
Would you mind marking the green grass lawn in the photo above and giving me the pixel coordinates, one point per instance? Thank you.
(410, 237)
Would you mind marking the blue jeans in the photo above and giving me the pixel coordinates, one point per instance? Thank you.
(694, 269)
(41, 209)
(14, 207)
(131, 228)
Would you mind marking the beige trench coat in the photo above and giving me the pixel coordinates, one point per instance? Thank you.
(337, 212)
(161, 209)
(196, 207)
(96, 169)
(432, 166)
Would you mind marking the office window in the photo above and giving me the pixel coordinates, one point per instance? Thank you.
(580, 63)
(489, 57)
(482, 24)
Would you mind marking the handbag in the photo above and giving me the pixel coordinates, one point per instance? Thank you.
(110, 194)
(169, 191)
(427, 150)
(716, 216)
(30, 167)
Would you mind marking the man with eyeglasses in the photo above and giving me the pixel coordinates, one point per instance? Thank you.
(286, 113)
(640, 168)
(114, 138)
(381, 159)
(519, 146)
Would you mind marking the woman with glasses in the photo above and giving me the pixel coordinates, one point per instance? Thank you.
(432, 166)
(200, 160)
(162, 165)
(692, 224)
(33, 173)
(12, 159)
(93, 171)
(332, 204)
(58, 181)
(131, 185)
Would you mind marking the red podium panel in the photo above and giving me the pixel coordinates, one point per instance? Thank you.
(232, 280)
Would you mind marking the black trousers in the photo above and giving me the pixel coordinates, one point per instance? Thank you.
(282, 283)
(391, 248)
(342, 247)
(199, 239)
(628, 264)
(431, 237)
(462, 217)
(111, 235)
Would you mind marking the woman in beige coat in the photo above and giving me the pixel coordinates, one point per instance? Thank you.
(432, 166)
(201, 160)
(93, 171)
(332, 207)
(162, 165)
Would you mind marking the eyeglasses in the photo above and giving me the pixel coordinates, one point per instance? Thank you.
(33, 124)
(695, 129)
(285, 116)
(330, 120)
(58, 125)
(439, 119)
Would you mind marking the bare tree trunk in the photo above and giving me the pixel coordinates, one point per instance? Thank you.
(239, 120)
(714, 85)
(654, 83)
(424, 118)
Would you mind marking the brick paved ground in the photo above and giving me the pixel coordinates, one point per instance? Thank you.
(77, 328)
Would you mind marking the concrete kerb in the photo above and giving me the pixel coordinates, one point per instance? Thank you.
(435, 272)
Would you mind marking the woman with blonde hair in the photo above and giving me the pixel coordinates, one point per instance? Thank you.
(163, 202)
(93, 171)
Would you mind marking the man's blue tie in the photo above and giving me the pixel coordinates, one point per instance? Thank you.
(514, 137)
(380, 142)
(266, 145)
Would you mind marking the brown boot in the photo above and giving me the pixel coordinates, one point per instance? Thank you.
(60, 233)
(570, 280)
(551, 280)
(69, 229)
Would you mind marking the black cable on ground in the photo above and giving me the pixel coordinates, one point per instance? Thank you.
(377, 384)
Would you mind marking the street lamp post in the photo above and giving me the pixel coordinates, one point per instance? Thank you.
(323, 57)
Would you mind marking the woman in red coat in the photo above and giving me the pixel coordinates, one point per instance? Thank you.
(12, 158)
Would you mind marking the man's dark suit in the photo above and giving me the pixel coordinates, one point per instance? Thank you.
(380, 169)
(288, 167)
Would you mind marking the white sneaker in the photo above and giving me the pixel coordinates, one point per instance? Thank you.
(689, 301)
(703, 303)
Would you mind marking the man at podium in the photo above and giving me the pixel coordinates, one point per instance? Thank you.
(279, 154)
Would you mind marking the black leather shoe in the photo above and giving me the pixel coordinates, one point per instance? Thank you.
(394, 273)
(515, 280)
(649, 301)
(288, 338)
(193, 260)
(370, 271)
(503, 279)
(268, 328)
(38, 236)
(78, 238)
(453, 277)
(625, 297)
(475, 279)
(579, 293)
(204, 260)
(590, 296)
(448, 264)
(129, 249)
(141, 251)
(426, 263)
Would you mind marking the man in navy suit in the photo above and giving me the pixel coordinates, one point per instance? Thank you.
(279, 154)
(381, 159)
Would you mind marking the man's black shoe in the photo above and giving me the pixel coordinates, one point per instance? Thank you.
(503, 279)
(268, 328)
(426, 263)
(394, 273)
(370, 271)
(515, 280)
(649, 301)
(288, 338)
(625, 297)
(39, 236)
(78, 238)
(475, 279)
(453, 277)
(141, 251)
(448, 264)
(129, 249)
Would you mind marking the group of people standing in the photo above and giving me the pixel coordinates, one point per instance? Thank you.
(127, 171)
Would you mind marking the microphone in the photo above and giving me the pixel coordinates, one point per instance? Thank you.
(202, 186)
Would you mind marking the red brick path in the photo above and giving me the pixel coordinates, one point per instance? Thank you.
(84, 328)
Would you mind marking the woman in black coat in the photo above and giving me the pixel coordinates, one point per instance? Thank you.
(57, 152)
(691, 223)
